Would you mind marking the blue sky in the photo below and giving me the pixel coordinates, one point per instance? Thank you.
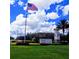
(44, 20)
(16, 9)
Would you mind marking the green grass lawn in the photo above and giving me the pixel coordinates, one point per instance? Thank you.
(40, 52)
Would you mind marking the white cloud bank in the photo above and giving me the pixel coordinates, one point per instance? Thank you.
(43, 4)
(35, 23)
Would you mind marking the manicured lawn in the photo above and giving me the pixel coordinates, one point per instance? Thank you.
(40, 52)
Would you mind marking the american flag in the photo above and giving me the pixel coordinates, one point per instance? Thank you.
(32, 7)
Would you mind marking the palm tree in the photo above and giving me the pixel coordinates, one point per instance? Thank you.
(63, 24)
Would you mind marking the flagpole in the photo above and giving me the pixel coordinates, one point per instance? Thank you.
(25, 28)
(26, 14)
(31, 7)
(25, 31)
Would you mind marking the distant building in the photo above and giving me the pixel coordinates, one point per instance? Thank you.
(42, 38)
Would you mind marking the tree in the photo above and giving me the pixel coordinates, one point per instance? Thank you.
(63, 24)
(11, 38)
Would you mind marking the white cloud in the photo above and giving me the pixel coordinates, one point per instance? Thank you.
(17, 26)
(41, 4)
(19, 20)
(58, 1)
(49, 28)
(12, 2)
(65, 10)
(35, 23)
(44, 4)
(25, 7)
(52, 15)
(20, 3)
(59, 7)
(30, 11)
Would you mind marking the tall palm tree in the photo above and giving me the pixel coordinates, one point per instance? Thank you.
(63, 24)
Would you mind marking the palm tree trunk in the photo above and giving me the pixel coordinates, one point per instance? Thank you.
(63, 31)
